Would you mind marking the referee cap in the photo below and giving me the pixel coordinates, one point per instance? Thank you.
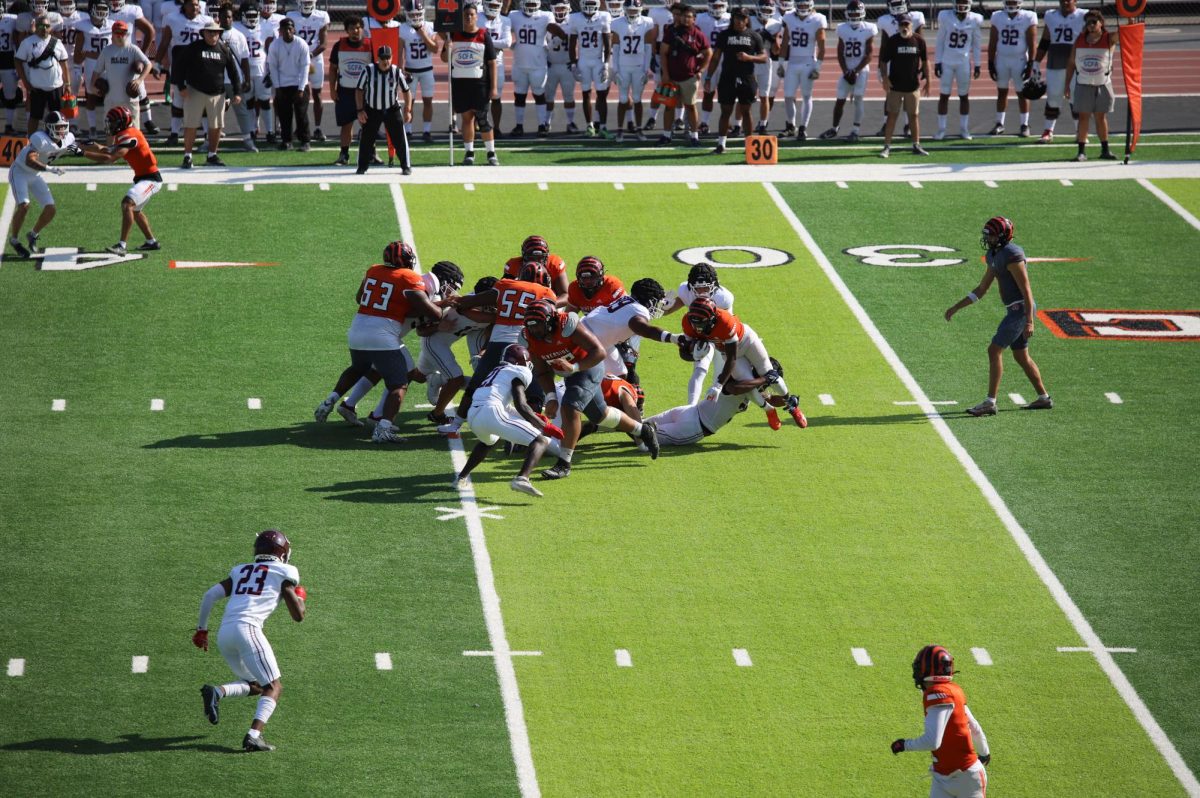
(384, 52)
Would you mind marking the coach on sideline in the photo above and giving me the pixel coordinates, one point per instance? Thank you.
(383, 97)
(199, 75)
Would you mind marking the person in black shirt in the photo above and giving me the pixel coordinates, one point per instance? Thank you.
(741, 49)
(199, 76)
(904, 65)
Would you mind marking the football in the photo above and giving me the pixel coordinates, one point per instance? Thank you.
(133, 89)
(101, 86)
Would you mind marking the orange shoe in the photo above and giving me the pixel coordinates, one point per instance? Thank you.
(773, 419)
(793, 406)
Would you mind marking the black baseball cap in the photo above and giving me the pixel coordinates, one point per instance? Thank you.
(384, 52)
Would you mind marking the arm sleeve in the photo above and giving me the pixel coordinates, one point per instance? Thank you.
(978, 37)
(977, 735)
(935, 726)
(206, 604)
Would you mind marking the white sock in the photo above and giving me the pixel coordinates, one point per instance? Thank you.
(789, 108)
(566, 453)
(570, 116)
(806, 109)
(1000, 117)
(490, 146)
(1025, 119)
(964, 121)
(254, 734)
(265, 707)
(704, 117)
(1050, 123)
(427, 127)
(235, 690)
(721, 141)
(360, 389)
(470, 147)
(176, 124)
(991, 400)
(941, 123)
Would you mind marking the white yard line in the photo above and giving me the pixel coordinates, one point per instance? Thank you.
(254, 403)
(156, 404)
(469, 186)
(861, 657)
(1114, 398)
(16, 667)
(1120, 682)
(742, 657)
(619, 186)
(383, 661)
(6, 215)
(693, 186)
(938, 402)
(1169, 202)
(1016, 398)
(1082, 649)
(623, 658)
(843, 184)
(981, 655)
(248, 187)
(991, 184)
(58, 405)
(140, 664)
(826, 399)
(323, 186)
(501, 653)
(172, 186)
(543, 186)
(915, 184)
(1066, 182)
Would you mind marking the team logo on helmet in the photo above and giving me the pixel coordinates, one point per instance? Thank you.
(702, 315)
(272, 544)
(1034, 88)
(997, 232)
(400, 255)
(543, 314)
(932, 664)
(590, 275)
(117, 119)
(57, 126)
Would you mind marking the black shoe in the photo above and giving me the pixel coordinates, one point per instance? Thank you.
(517, 131)
(391, 162)
(270, 138)
(560, 470)
(438, 418)
(719, 149)
(493, 160)
(172, 140)
(703, 128)
(318, 135)
(362, 170)
(304, 147)
(543, 131)
(150, 128)
(406, 171)
(649, 124)
(788, 129)
(214, 160)
(649, 437)
(150, 246)
(664, 140)
(284, 145)
(469, 159)
(496, 134)
(212, 697)
(427, 137)
(251, 744)
(801, 134)
(187, 162)
(18, 248)
(735, 131)
(695, 142)
(342, 160)
(678, 125)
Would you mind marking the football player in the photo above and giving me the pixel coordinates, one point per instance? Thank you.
(8, 71)
(1006, 266)
(388, 295)
(705, 322)
(711, 21)
(702, 281)
(562, 345)
(592, 288)
(420, 44)
(663, 17)
(254, 590)
(312, 25)
(632, 42)
(856, 40)
(591, 49)
(530, 27)
(510, 298)
(952, 735)
(1061, 27)
(803, 54)
(258, 98)
(133, 16)
(768, 24)
(1011, 50)
(500, 410)
(956, 61)
(621, 325)
(688, 424)
(95, 33)
(179, 29)
(499, 27)
(129, 143)
(535, 248)
(560, 74)
(25, 178)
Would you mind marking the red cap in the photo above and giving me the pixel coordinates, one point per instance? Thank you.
(120, 27)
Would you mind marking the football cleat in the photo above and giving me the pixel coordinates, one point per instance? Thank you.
(572, 127)
(349, 413)
(939, 136)
(801, 134)
(427, 137)
(323, 410)
(789, 129)
(437, 418)
(1023, 132)
(517, 131)
(459, 483)
(187, 162)
(984, 408)
(560, 470)
(251, 744)
(965, 135)
(1040, 404)
(212, 697)
(1047, 137)
(492, 159)
(469, 159)
(640, 135)
(719, 149)
(619, 138)
(649, 124)
(886, 152)
(116, 249)
(917, 149)
(543, 131)
(32, 238)
(523, 485)
(649, 436)
(773, 419)
(703, 128)
(793, 407)
(853, 137)
(997, 130)
(451, 427)
(20, 249)
(386, 434)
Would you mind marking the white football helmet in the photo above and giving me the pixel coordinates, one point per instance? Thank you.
(251, 16)
(804, 8)
(66, 7)
(614, 8)
(562, 10)
(856, 12)
(57, 127)
(268, 8)
(98, 12)
(786, 6)
(633, 9)
(590, 7)
(531, 7)
(765, 10)
(39, 7)
(113, 5)
(962, 6)
(307, 7)
(1012, 7)
(491, 8)
(718, 9)
(897, 7)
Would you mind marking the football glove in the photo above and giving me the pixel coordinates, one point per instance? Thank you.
(552, 430)
(713, 393)
(985, 760)
(301, 593)
(200, 639)
(780, 71)
(976, 76)
(604, 74)
(850, 76)
(992, 70)
(74, 149)
(267, 82)
(56, 170)
(816, 73)
(773, 376)
(897, 746)
(937, 70)
(1027, 72)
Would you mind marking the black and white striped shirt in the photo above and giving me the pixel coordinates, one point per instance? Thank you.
(382, 88)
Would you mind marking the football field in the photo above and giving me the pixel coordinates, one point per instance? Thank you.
(736, 617)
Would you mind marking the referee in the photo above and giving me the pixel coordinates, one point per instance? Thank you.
(381, 90)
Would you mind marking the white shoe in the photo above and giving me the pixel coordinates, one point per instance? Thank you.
(459, 484)
(433, 386)
(386, 434)
(939, 136)
(966, 135)
(523, 485)
(323, 410)
(347, 412)
(452, 428)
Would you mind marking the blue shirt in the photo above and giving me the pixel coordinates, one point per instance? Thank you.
(998, 261)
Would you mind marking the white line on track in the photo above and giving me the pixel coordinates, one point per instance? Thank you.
(1066, 182)
(915, 183)
(861, 657)
(254, 403)
(981, 655)
(139, 664)
(623, 658)
(156, 404)
(742, 657)
(1170, 202)
(619, 186)
(501, 653)
(16, 667)
(1082, 649)
(843, 184)
(991, 184)
(383, 661)
(1114, 398)
(1094, 645)
(58, 405)
(826, 399)
(1016, 398)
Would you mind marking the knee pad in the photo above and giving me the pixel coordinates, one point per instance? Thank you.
(1052, 112)
(538, 99)
(612, 417)
(482, 123)
(519, 102)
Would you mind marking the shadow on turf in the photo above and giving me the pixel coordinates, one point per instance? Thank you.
(309, 435)
(127, 744)
(393, 490)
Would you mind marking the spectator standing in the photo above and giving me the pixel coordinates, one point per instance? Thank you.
(1091, 66)
(120, 70)
(382, 97)
(1061, 27)
(348, 60)
(198, 76)
(904, 66)
(41, 63)
(239, 46)
(738, 51)
(684, 54)
(287, 71)
(472, 59)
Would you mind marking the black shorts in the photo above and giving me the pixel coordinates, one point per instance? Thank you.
(43, 102)
(390, 363)
(470, 95)
(345, 107)
(737, 90)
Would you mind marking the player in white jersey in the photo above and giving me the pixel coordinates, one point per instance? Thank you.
(1011, 48)
(8, 70)
(889, 25)
(701, 281)
(632, 42)
(956, 61)
(690, 423)
(254, 590)
(444, 377)
(258, 98)
(560, 72)
(769, 25)
(95, 33)
(803, 55)
(663, 17)
(629, 317)
(270, 20)
(591, 50)
(420, 45)
(133, 16)
(856, 39)
(530, 26)
(24, 23)
(179, 29)
(25, 178)
(499, 410)
(1060, 28)
(312, 25)
(712, 22)
(499, 28)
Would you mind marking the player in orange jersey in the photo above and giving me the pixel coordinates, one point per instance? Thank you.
(127, 142)
(592, 288)
(536, 248)
(959, 747)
